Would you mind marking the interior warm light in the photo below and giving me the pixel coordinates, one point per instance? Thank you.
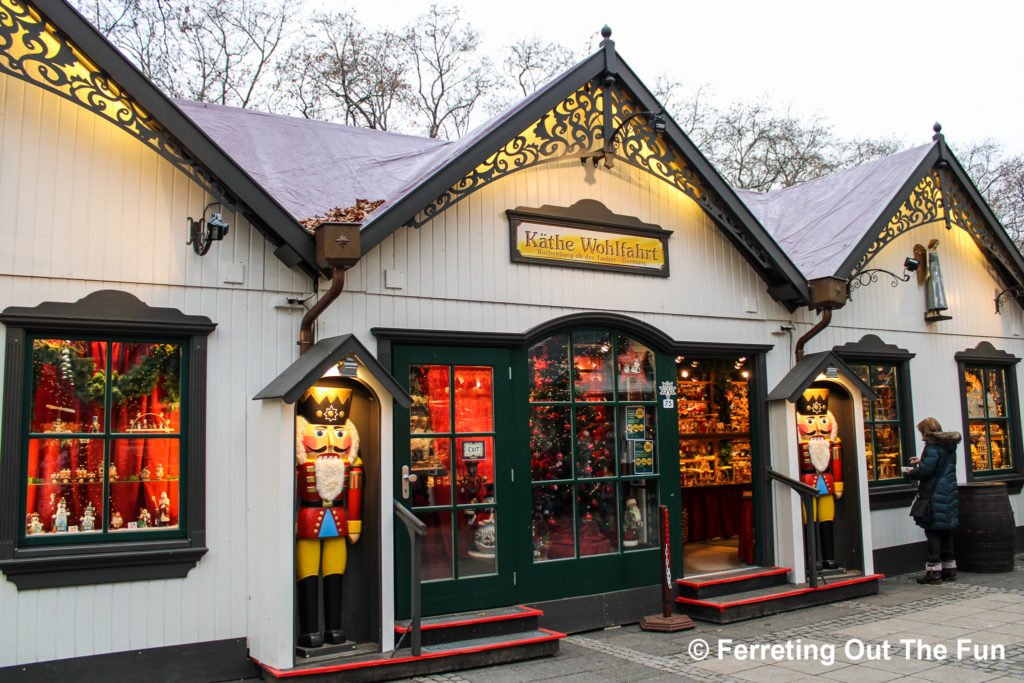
(686, 373)
(746, 374)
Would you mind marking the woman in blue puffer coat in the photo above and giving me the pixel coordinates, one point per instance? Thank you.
(936, 471)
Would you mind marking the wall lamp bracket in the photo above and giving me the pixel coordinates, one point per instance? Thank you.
(869, 275)
(1016, 290)
(202, 233)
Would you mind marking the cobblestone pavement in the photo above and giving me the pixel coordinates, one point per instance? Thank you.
(970, 630)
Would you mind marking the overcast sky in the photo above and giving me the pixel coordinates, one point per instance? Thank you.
(870, 68)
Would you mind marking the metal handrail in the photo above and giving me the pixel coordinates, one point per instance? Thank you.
(417, 530)
(807, 495)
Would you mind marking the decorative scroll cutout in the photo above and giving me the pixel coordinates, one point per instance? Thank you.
(32, 50)
(939, 196)
(575, 128)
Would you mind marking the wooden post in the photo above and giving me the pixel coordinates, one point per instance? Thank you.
(668, 621)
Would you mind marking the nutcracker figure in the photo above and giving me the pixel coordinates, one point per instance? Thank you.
(329, 489)
(821, 464)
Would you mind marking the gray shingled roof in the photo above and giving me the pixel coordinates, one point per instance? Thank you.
(819, 222)
(312, 166)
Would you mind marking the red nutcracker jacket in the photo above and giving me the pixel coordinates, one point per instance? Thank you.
(345, 510)
(832, 475)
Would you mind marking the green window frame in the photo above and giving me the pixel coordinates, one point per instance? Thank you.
(991, 413)
(594, 485)
(49, 558)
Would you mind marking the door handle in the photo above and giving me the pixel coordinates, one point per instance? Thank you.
(407, 478)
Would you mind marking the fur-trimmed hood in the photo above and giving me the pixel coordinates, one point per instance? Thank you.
(943, 438)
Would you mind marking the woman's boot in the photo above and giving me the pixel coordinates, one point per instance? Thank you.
(932, 573)
(949, 570)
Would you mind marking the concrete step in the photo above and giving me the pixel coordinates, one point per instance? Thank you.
(726, 583)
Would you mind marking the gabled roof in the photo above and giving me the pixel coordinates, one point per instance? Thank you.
(832, 226)
(308, 368)
(807, 370)
(819, 222)
(65, 54)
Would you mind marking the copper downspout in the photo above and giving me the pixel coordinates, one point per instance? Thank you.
(826, 318)
(306, 327)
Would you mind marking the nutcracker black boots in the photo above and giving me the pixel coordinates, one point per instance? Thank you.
(306, 595)
(333, 635)
(828, 553)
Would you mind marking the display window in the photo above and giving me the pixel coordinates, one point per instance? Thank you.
(103, 442)
(593, 436)
(883, 422)
(104, 447)
(451, 452)
(988, 415)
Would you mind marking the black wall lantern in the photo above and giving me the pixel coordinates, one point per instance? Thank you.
(203, 232)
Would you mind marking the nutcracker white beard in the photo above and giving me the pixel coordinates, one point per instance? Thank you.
(819, 450)
(330, 476)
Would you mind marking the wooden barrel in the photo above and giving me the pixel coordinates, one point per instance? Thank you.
(984, 541)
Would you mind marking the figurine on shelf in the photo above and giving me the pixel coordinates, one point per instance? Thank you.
(89, 518)
(112, 472)
(163, 509)
(81, 474)
(821, 464)
(116, 521)
(144, 520)
(329, 481)
(33, 525)
(95, 426)
(160, 470)
(632, 522)
(144, 474)
(60, 517)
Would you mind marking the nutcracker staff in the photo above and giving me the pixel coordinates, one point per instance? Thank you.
(328, 475)
(821, 463)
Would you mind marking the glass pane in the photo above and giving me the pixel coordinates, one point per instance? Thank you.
(144, 477)
(68, 385)
(975, 392)
(431, 409)
(599, 519)
(436, 559)
(999, 446)
(995, 395)
(732, 465)
(549, 369)
(883, 381)
(887, 440)
(478, 542)
(430, 461)
(550, 443)
(474, 469)
(145, 387)
(635, 365)
(65, 486)
(637, 447)
(869, 450)
(595, 441)
(979, 445)
(592, 369)
(640, 514)
(553, 536)
(474, 404)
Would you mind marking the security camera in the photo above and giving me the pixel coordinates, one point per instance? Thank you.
(911, 264)
(216, 228)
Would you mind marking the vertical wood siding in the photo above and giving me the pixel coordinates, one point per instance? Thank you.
(83, 207)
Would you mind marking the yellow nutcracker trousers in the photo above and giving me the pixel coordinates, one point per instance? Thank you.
(308, 555)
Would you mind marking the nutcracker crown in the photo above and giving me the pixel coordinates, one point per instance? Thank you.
(814, 401)
(326, 402)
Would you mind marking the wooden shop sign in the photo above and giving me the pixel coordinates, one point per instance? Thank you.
(582, 243)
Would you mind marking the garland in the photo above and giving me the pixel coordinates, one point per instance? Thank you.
(162, 364)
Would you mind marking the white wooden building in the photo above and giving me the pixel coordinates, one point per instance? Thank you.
(465, 328)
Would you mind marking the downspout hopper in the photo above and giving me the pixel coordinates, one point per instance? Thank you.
(337, 248)
(826, 294)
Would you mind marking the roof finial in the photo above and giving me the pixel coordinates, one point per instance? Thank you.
(606, 32)
(938, 131)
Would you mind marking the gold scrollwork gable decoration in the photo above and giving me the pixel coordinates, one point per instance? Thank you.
(575, 128)
(940, 197)
(33, 50)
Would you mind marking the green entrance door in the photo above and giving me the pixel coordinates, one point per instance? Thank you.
(453, 469)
